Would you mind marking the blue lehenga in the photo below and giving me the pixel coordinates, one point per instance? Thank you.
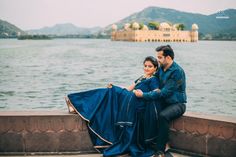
(118, 121)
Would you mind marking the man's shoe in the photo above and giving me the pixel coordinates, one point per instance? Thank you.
(159, 154)
(168, 154)
(124, 155)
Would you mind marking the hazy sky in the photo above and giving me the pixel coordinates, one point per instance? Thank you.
(33, 14)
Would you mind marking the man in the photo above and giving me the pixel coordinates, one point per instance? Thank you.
(171, 94)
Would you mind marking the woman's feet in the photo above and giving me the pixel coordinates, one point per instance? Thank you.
(70, 107)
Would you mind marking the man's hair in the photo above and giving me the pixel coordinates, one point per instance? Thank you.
(167, 51)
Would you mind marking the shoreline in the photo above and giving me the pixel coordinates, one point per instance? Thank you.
(51, 38)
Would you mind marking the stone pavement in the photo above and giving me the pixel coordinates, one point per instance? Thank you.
(84, 155)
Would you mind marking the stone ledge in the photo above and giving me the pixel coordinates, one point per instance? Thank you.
(54, 131)
(210, 135)
(57, 131)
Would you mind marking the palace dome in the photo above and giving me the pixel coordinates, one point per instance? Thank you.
(127, 26)
(145, 27)
(135, 26)
(175, 26)
(114, 27)
(164, 25)
(194, 27)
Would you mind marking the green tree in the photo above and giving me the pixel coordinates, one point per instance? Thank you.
(141, 26)
(153, 25)
(180, 26)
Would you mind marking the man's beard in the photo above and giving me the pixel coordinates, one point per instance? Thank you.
(162, 65)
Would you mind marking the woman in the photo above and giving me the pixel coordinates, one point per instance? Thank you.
(115, 115)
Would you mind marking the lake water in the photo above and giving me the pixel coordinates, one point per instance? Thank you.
(36, 75)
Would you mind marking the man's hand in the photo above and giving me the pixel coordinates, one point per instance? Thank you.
(138, 93)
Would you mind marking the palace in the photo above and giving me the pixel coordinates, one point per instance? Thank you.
(165, 33)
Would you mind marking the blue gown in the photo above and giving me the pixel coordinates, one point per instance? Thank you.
(117, 118)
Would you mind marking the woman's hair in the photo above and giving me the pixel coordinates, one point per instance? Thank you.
(151, 59)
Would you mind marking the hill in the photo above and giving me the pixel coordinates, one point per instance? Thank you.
(65, 29)
(208, 24)
(8, 30)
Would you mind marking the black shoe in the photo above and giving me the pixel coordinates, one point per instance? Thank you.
(159, 154)
(124, 155)
(168, 154)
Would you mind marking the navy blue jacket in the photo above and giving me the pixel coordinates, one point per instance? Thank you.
(172, 86)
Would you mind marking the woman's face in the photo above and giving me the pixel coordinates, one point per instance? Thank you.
(149, 68)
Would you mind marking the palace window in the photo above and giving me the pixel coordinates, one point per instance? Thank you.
(166, 35)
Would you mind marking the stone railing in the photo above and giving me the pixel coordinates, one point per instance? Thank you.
(59, 132)
(23, 132)
(210, 135)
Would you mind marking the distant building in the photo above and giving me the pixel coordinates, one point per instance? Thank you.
(4, 34)
(165, 33)
(18, 33)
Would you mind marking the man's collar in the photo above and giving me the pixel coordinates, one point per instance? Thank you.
(172, 67)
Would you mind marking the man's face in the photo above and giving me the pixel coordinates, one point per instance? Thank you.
(161, 59)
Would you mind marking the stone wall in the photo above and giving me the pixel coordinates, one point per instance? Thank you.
(204, 134)
(43, 132)
(60, 132)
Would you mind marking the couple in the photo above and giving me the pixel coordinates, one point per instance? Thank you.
(135, 120)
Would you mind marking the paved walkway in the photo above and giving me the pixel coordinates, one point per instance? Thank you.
(84, 155)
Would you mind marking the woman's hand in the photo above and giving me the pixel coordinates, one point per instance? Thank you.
(131, 87)
(109, 85)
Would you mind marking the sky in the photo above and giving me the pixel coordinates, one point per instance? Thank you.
(35, 14)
